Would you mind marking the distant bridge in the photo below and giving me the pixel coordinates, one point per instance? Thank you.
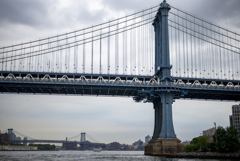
(83, 145)
(69, 145)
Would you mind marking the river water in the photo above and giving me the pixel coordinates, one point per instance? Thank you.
(83, 155)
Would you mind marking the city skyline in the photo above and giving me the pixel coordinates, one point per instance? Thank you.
(107, 119)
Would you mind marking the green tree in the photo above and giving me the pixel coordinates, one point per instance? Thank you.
(226, 139)
(233, 144)
(220, 137)
(212, 146)
(202, 141)
(197, 144)
(44, 146)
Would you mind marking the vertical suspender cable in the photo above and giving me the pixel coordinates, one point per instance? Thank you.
(27, 58)
(179, 51)
(183, 51)
(131, 48)
(199, 61)
(195, 50)
(108, 49)
(171, 46)
(66, 54)
(11, 59)
(221, 61)
(139, 47)
(38, 68)
(75, 54)
(214, 55)
(84, 57)
(3, 58)
(191, 51)
(142, 43)
(126, 46)
(101, 50)
(224, 60)
(176, 45)
(232, 59)
(228, 59)
(123, 49)
(57, 55)
(202, 51)
(92, 54)
(187, 47)
(236, 59)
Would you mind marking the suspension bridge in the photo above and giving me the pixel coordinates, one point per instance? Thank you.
(86, 141)
(156, 55)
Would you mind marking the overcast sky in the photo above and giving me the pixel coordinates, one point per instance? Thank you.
(106, 119)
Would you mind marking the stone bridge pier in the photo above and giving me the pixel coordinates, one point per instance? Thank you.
(164, 140)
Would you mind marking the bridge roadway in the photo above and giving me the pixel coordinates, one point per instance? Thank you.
(136, 86)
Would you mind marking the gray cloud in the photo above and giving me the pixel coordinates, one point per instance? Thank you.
(25, 12)
(126, 5)
(220, 12)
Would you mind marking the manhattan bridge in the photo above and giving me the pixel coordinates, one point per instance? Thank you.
(156, 55)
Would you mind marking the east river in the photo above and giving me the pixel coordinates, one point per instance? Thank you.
(83, 155)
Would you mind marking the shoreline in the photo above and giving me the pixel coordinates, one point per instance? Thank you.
(206, 155)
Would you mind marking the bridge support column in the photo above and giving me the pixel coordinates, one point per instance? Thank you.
(164, 140)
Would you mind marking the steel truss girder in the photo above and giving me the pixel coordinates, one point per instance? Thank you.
(139, 93)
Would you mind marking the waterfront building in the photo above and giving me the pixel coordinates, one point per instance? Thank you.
(4, 139)
(209, 133)
(113, 146)
(235, 118)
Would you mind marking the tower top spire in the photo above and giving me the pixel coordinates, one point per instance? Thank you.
(164, 4)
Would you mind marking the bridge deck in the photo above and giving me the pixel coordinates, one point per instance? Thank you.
(116, 85)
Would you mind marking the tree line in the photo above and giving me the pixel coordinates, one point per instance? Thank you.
(43, 146)
(225, 140)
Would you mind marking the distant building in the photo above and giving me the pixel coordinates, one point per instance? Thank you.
(138, 143)
(231, 121)
(25, 141)
(209, 133)
(17, 138)
(235, 118)
(113, 146)
(147, 139)
(186, 142)
(4, 139)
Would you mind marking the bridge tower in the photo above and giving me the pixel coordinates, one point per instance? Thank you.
(164, 140)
